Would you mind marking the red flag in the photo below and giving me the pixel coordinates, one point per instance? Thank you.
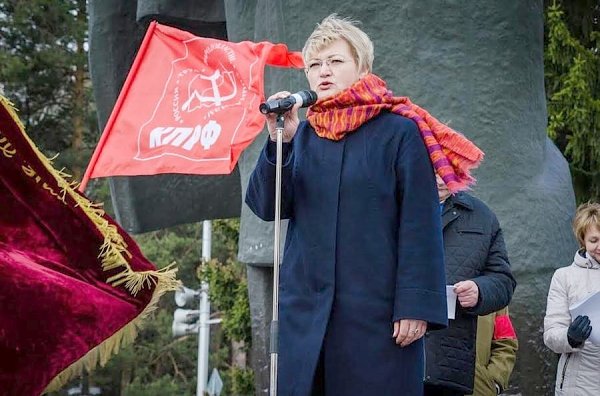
(189, 105)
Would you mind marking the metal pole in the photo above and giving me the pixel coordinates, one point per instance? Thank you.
(85, 383)
(274, 344)
(203, 320)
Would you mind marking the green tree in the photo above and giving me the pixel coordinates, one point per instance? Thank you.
(156, 362)
(581, 17)
(572, 72)
(44, 73)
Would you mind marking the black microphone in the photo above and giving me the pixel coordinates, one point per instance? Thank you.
(280, 106)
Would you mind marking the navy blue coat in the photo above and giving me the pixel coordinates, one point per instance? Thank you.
(363, 249)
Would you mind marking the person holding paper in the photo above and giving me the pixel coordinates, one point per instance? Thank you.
(577, 371)
(478, 269)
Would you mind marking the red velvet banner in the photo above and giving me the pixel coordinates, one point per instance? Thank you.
(73, 285)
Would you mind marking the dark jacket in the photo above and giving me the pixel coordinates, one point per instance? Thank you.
(363, 248)
(475, 250)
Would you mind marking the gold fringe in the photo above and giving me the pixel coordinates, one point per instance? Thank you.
(112, 253)
(111, 346)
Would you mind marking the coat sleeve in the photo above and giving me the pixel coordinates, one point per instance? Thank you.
(260, 195)
(420, 277)
(558, 318)
(496, 284)
(503, 350)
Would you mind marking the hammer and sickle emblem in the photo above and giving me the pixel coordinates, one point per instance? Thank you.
(217, 98)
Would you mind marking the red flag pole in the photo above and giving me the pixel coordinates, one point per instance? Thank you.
(113, 116)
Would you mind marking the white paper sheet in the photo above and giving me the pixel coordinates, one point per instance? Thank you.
(451, 301)
(589, 306)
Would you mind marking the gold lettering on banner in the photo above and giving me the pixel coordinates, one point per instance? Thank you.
(29, 171)
(46, 187)
(6, 147)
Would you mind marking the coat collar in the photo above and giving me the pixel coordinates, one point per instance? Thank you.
(459, 199)
(449, 212)
(584, 260)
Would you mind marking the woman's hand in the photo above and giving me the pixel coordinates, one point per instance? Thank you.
(291, 119)
(407, 331)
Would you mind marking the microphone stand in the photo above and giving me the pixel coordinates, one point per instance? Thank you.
(274, 342)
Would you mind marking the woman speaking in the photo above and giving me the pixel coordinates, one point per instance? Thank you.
(362, 277)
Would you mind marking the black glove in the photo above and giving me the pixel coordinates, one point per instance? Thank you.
(579, 331)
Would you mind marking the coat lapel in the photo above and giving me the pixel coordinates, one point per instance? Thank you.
(449, 214)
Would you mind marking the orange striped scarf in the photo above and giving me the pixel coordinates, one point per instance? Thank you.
(452, 155)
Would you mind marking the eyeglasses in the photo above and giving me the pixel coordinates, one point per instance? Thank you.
(314, 66)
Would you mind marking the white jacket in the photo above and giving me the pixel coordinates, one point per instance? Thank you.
(578, 372)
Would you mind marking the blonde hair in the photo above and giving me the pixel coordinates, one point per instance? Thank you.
(587, 214)
(333, 28)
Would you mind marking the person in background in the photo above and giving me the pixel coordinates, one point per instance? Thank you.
(579, 364)
(362, 276)
(496, 353)
(477, 266)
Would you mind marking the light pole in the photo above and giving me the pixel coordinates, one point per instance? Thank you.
(204, 330)
(188, 321)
